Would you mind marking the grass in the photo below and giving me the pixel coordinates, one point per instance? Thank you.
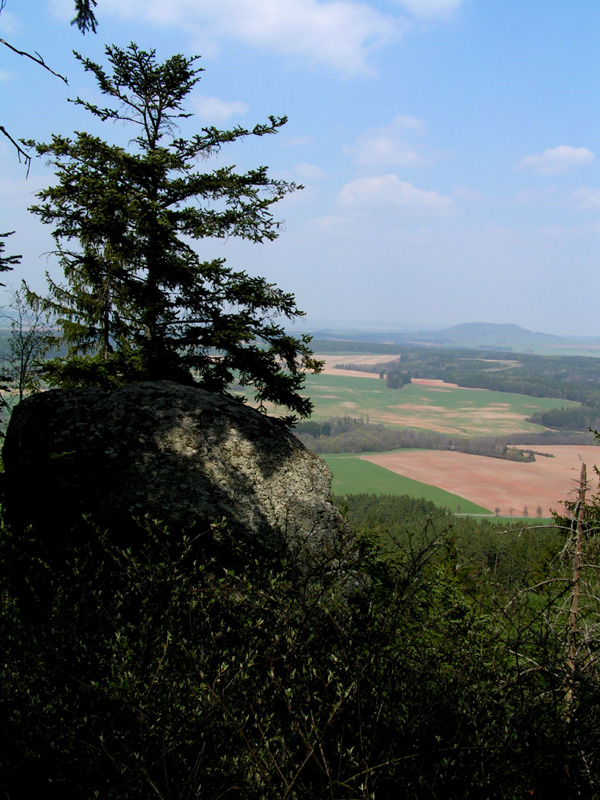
(467, 412)
(351, 475)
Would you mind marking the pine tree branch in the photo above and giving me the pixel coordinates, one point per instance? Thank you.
(85, 18)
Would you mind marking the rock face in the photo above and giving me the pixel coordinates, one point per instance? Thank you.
(179, 454)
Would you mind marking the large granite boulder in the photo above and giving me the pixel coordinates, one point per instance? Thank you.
(176, 453)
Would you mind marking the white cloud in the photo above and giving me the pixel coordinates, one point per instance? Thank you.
(430, 8)
(388, 145)
(9, 24)
(570, 231)
(390, 191)
(585, 199)
(213, 109)
(340, 34)
(302, 172)
(558, 160)
(529, 196)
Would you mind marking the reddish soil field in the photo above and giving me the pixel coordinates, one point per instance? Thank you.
(494, 483)
(353, 358)
(351, 373)
(435, 384)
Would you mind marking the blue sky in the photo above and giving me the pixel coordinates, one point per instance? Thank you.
(449, 149)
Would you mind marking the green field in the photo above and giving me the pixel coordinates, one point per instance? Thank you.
(467, 412)
(351, 475)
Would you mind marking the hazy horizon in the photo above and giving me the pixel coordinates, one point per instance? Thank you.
(312, 324)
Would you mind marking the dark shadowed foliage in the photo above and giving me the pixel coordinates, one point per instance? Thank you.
(194, 667)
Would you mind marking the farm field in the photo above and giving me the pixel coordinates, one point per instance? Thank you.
(461, 482)
(452, 479)
(355, 475)
(495, 483)
(426, 405)
(330, 362)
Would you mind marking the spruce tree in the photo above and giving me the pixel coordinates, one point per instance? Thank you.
(137, 302)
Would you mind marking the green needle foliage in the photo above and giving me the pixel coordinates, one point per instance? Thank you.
(138, 303)
(85, 18)
(7, 262)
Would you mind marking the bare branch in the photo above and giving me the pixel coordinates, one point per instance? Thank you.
(20, 151)
(37, 58)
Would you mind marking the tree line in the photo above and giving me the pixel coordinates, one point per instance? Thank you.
(357, 435)
(584, 418)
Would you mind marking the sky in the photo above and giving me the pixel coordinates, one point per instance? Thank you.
(449, 149)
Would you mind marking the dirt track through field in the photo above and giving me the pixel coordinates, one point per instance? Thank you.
(495, 483)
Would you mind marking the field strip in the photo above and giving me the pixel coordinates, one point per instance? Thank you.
(434, 383)
(495, 483)
(352, 475)
(330, 367)
(349, 373)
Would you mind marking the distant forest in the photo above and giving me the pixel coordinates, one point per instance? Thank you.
(516, 556)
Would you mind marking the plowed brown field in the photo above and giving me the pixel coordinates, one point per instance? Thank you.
(495, 483)
(329, 367)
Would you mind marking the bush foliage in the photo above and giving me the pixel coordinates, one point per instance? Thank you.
(194, 667)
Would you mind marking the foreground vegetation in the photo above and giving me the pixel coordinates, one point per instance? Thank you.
(518, 553)
(416, 663)
(142, 663)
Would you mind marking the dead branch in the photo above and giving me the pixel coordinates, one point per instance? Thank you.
(37, 58)
(20, 151)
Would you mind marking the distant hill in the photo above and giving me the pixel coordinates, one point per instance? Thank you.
(474, 335)
(490, 333)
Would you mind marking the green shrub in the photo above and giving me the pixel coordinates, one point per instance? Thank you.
(196, 667)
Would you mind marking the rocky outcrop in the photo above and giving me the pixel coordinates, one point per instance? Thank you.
(176, 453)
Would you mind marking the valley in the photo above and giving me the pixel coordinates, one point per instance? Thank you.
(463, 447)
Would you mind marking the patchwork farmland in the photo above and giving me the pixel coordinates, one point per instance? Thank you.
(460, 481)
(426, 405)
